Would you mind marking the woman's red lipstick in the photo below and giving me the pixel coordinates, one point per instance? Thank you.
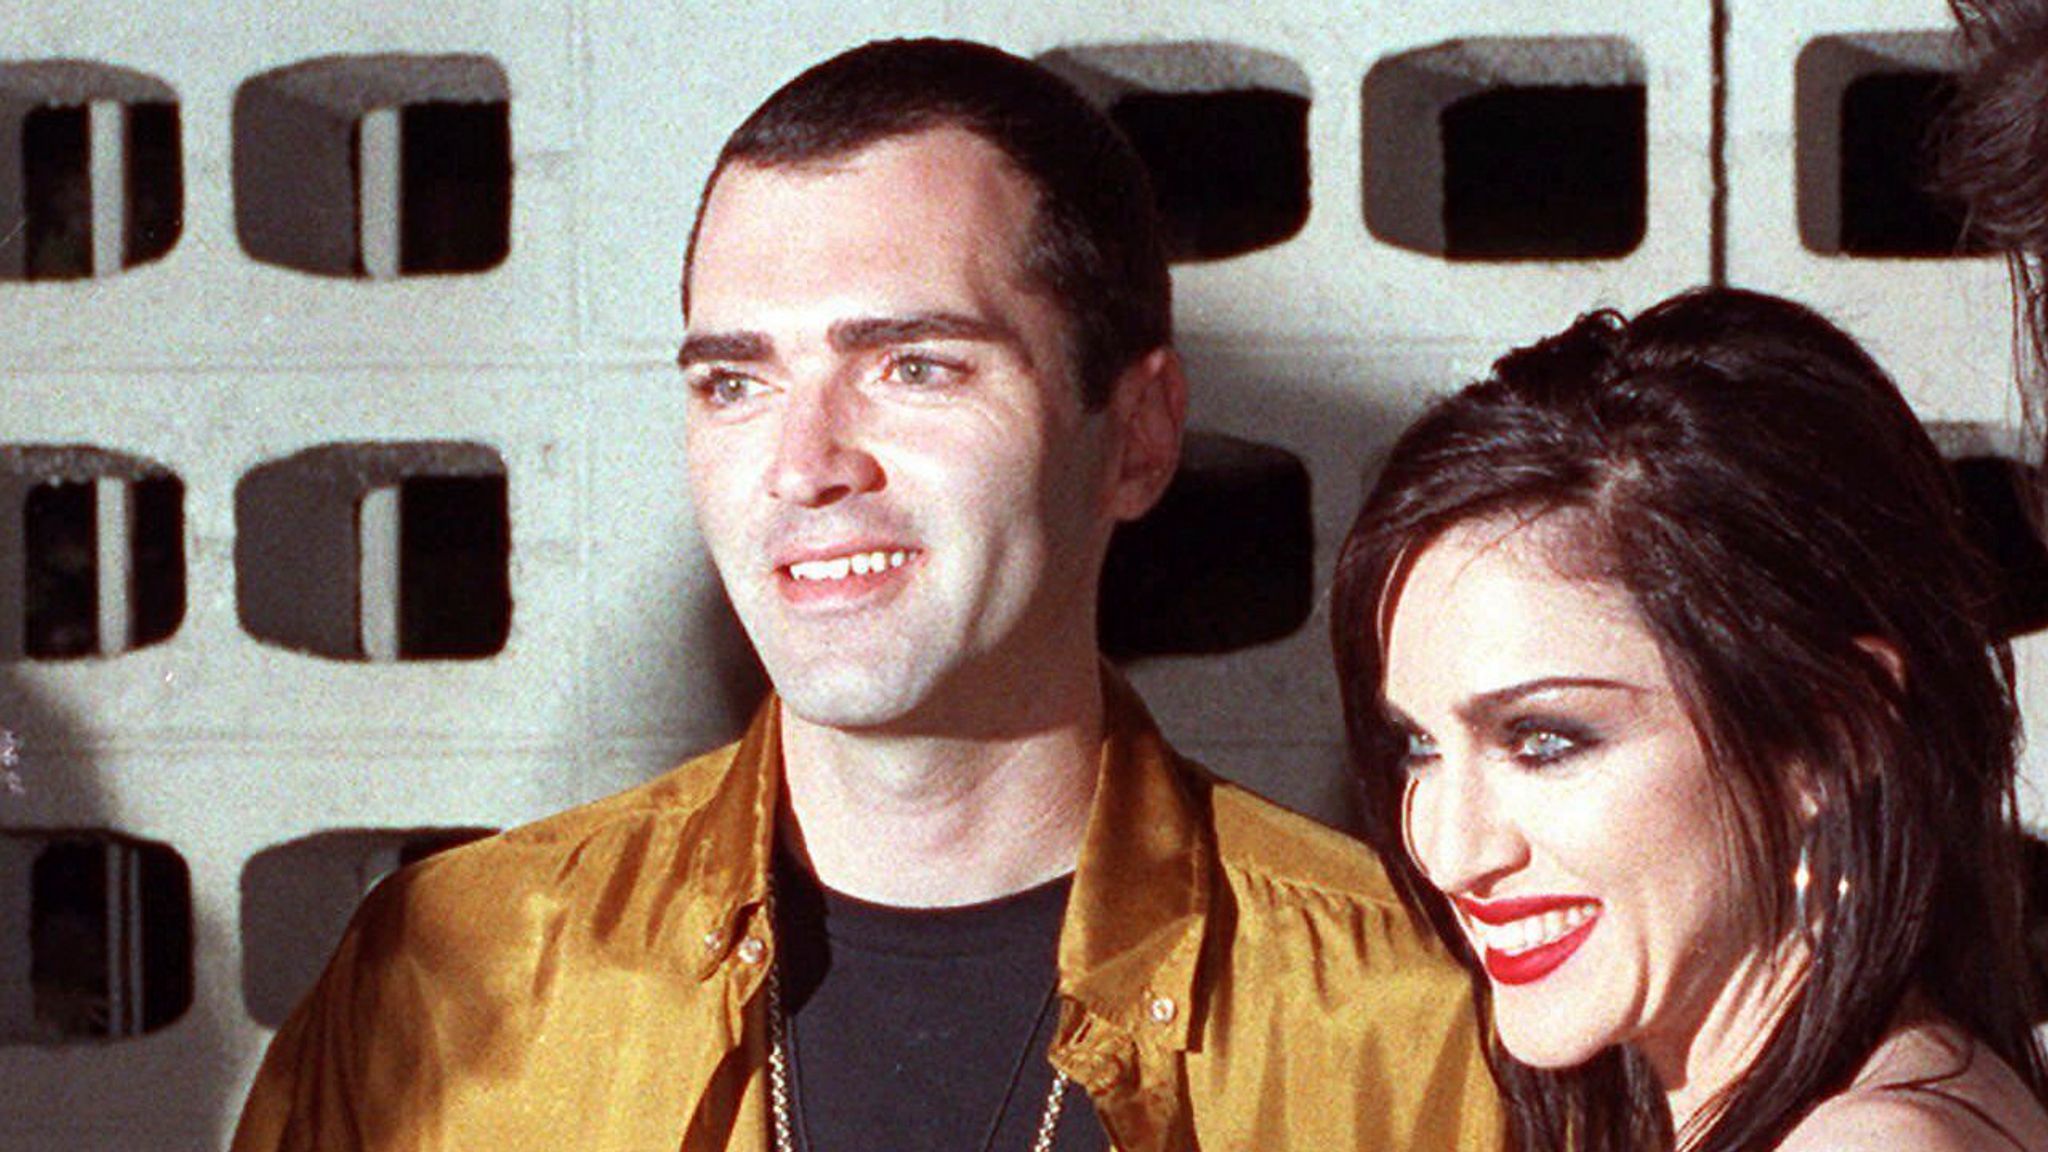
(1533, 964)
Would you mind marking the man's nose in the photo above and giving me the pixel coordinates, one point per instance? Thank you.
(821, 452)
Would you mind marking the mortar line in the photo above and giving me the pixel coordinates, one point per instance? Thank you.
(1717, 152)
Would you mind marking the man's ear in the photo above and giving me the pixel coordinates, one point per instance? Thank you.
(1149, 409)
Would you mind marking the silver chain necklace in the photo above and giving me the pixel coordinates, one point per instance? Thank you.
(778, 1080)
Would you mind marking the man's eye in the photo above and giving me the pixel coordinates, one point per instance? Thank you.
(722, 389)
(918, 371)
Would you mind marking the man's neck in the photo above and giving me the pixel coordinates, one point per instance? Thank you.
(930, 821)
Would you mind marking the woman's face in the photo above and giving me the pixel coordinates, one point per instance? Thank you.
(1561, 798)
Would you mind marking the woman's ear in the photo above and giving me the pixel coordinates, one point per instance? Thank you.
(1810, 799)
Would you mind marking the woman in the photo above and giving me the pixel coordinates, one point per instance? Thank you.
(1663, 665)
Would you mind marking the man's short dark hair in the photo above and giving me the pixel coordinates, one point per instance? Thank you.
(1095, 245)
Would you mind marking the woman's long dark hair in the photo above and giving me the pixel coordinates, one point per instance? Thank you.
(1784, 529)
(1994, 158)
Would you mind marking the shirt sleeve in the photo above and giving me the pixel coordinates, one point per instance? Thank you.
(340, 1047)
(1334, 1023)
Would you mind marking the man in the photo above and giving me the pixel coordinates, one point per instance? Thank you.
(951, 890)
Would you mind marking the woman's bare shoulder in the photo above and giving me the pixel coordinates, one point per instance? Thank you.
(1930, 1088)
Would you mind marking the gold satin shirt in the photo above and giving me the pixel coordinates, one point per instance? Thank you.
(1232, 976)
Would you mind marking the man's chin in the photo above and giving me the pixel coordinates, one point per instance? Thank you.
(847, 698)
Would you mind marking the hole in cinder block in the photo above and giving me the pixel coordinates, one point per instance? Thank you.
(375, 166)
(455, 596)
(1867, 106)
(1509, 149)
(377, 552)
(100, 540)
(297, 898)
(96, 178)
(60, 548)
(56, 154)
(1222, 130)
(1998, 499)
(1889, 207)
(107, 947)
(1229, 169)
(1225, 561)
(156, 182)
(1550, 173)
(456, 187)
(157, 553)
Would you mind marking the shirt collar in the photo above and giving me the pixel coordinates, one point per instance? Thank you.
(1132, 935)
(733, 859)
(1134, 926)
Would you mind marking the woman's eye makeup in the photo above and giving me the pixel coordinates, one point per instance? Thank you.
(1417, 749)
(1543, 741)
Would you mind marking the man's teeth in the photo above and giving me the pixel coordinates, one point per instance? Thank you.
(840, 567)
(1533, 931)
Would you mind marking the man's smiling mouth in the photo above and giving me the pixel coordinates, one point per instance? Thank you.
(852, 564)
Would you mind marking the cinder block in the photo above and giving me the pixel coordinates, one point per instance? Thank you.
(1868, 109)
(210, 301)
(376, 166)
(376, 551)
(102, 946)
(1509, 148)
(1332, 280)
(1223, 132)
(95, 564)
(1801, 85)
(91, 170)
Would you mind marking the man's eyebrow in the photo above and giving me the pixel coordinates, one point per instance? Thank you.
(744, 347)
(869, 333)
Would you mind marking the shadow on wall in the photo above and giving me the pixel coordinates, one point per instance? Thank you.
(1235, 564)
(726, 677)
(99, 948)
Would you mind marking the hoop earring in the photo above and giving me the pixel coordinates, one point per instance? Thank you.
(1802, 881)
(1407, 829)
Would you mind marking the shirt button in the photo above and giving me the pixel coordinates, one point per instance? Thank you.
(752, 950)
(1161, 1010)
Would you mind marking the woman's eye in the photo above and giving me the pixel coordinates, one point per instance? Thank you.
(1418, 750)
(1540, 745)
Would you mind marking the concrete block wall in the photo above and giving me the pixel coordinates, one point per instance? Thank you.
(286, 781)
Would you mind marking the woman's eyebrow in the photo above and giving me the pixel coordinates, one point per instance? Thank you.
(1499, 699)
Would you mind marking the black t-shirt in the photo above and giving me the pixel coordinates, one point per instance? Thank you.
(915, 1030)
